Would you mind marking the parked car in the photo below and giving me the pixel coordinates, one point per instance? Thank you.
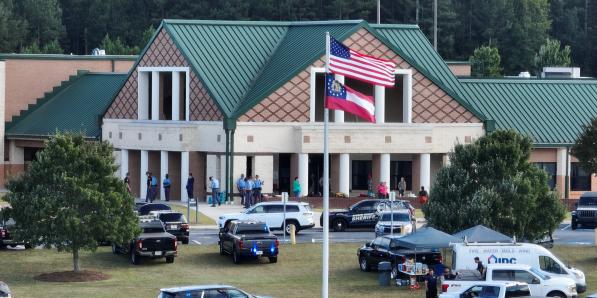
(539, 283)
(399, 222)
(248, 239)
(175, 224)
(4, 290)
(585, 213)
(7, 230)
(154, 242)
(298, 214)
(207, 291)
(147, 208)
(386, 249)
(537, 256)
(495, 289)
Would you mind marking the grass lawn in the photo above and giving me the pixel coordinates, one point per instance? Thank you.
(203, 219)
(297, 273)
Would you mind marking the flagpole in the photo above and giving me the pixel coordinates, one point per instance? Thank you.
(326, 182)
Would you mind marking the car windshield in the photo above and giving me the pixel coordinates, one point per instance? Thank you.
(539, 273)
(252, 229)
(397, 217)
(584, 201)
(170, 217)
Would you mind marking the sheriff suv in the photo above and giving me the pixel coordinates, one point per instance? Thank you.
(586, 211)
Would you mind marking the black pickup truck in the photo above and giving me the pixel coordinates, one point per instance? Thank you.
(7, 230)
(385, 249)
(154, 242)
(176, 224)
(248, 239)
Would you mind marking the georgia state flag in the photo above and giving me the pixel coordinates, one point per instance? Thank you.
(340, 97)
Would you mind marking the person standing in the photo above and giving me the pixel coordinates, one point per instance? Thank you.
(249, 186)
(190, 186)
(257, 185)
(296, 188)
(401, 186)
(382, 190)
(430, 285)
(127, 182)
(154, 187)
(480, 266)
(215, 191)
(148, 188)
(166, 184)
(240, 186)
(423, 196)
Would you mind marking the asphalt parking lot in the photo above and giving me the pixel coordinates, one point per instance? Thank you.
(563, 235)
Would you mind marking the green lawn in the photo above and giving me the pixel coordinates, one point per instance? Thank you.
(297, 273)
(203, 219)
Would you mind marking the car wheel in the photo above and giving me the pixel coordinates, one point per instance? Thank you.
(556, 294)
(235, 257)
(185, 241)
(574, 225)
(273, 259)
(13, 245)
(28, 246)
(339, 225)
(289, 224)
(170, 259)
(363, 264)
(394, 272)
(135, 259)
(114, 249)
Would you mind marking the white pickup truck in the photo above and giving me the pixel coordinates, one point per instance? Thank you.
(493, 289)
(539, 283)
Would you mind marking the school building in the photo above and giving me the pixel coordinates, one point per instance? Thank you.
(256, 89)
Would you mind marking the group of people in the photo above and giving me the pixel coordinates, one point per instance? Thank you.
(431, 279)
(383, 191)
(152, 186)
(249, 189)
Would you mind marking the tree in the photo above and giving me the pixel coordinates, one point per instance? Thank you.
(44, 19)
(12, 28)
(117, 47)
(585, 148)
(551, 54)
(492, 182)
(69, 199)
(485, 62)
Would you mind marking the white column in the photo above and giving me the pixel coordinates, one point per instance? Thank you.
(407, 98)
(303, 172)
(380, 104)
(384, 168)
(176, 95)
(344, 173)
(561, 162)
(425, 170)
(446, 159)
(155, 95)
(338, 114)
(143, 177)
(124, 163)
(163, 172)
(184, 175)
(143, 95)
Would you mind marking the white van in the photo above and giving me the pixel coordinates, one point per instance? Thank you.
(463, 257)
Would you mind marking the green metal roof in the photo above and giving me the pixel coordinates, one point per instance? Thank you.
(75, 106)
(552, 112)
(241, 63)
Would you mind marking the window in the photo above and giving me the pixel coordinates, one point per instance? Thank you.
(385, 243)
(518, 291)
(503, 275)
(550, 169)
(236, 294)
(258, 209)
(216, 293)
(274, 208)
(523, 276)
(580, 180)
(483, 291)
(364, 207)
(361, 169)
(377, 242)
(292, 208)
(550, 265)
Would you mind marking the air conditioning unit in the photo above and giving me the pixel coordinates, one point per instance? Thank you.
(560, 72)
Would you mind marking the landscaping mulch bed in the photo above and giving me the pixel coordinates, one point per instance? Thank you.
(71, 276)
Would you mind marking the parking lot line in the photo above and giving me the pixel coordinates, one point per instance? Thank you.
(564, 228)
(197, 242)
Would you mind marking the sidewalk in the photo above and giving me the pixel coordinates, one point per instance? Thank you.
(211, 212)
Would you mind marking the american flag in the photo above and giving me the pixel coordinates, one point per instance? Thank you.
(346, 62)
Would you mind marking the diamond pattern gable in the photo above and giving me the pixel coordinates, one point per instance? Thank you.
(290, 103)
(163, 52)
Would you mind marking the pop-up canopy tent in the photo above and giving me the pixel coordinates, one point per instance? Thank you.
(427, 238)
(482, 234)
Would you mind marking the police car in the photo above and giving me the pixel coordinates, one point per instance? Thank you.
(363, 214)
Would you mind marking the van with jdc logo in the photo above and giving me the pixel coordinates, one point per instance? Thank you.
(463, 258)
